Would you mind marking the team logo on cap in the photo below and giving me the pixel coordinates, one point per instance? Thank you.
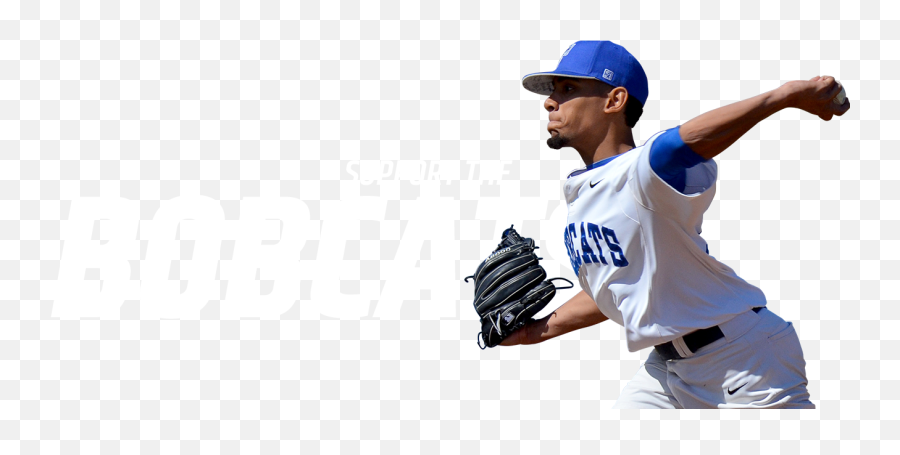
(608, 75)
(569, 49)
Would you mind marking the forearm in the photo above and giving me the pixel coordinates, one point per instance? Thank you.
(711, 133)
(579, 312)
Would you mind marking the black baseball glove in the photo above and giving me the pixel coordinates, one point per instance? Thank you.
(510, 288)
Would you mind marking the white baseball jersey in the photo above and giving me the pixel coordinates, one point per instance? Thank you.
(634, 243)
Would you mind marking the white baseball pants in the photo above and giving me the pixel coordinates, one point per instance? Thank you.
(758, 364)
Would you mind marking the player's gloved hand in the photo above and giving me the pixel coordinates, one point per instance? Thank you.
(815, 96)
(510, 288)
(520, 336)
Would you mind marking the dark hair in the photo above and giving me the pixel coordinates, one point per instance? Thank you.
(633, 111)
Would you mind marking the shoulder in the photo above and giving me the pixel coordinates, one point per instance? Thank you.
(622, 160)
(653, 138)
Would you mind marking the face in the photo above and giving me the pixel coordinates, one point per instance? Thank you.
(579, 111)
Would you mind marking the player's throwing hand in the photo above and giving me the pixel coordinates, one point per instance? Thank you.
(816, 96)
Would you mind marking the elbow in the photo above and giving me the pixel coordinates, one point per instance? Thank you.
(692, 137)
(701, 142)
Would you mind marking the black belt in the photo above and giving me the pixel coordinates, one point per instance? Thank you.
(694, 341)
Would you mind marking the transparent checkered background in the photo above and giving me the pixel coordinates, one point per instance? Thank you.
(324, 103)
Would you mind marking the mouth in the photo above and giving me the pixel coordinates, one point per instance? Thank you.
(553, 125)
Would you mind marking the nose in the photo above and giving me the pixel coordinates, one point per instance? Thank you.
(550, 104)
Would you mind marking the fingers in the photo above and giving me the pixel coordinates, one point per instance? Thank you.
(827, 88)
(843, 108)
(835, 88)
(836, 110)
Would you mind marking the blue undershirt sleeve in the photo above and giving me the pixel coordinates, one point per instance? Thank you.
(670, 156)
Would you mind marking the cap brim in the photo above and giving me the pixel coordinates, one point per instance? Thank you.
(542, 83)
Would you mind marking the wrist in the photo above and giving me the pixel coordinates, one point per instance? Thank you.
(527, 333)
(531, 332)
(519, 336)
(786, 95)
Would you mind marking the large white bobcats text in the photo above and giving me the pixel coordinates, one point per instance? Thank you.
(105, 239)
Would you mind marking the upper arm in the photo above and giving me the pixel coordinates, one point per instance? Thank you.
(670, 158)
(671, 179)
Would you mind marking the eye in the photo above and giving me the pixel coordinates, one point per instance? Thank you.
(568, 88)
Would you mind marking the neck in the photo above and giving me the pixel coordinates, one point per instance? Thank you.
(615, 142)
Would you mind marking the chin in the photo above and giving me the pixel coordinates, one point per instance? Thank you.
(557, 142)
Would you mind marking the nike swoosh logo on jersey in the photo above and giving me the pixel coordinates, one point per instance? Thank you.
(731, 392)
(593, 184)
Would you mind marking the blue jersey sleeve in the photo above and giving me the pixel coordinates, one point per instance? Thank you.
(670, 157)
(673, 181)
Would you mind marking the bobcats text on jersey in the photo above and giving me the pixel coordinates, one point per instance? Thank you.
(593, 255)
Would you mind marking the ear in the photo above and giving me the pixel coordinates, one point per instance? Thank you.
(616, 99)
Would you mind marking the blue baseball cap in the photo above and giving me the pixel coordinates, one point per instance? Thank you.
(602, 60)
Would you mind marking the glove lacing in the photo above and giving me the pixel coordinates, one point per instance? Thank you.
(480, 336)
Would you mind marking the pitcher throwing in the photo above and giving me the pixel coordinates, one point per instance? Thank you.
(633, 238)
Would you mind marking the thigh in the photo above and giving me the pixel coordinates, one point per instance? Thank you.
(648, 389)
(764, 368)
(782, 381)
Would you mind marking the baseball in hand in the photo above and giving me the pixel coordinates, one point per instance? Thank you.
(839, 99)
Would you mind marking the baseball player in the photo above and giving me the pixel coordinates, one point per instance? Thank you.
(633, 238)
